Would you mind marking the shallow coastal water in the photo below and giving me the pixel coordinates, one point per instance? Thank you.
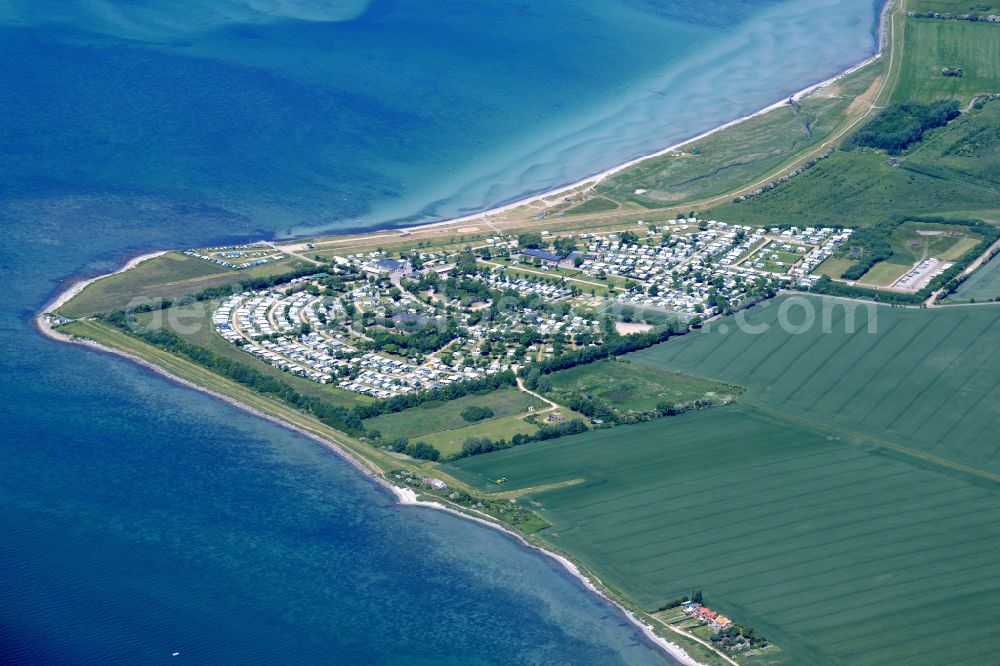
(141, 518)
(389, 109)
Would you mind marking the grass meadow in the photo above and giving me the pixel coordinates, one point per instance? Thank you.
(837, 551)
(168, 276)
(441, 417)
(633, 386)
(915, 241)
(734, 157)
(956, 167)
(931, 45)
(449, 442)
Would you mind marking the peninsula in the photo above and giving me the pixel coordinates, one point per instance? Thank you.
(744, 387)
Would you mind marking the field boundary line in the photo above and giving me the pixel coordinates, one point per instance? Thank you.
(876, 441)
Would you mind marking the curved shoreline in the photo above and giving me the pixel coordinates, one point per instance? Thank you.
(80, 285)
(594, 179)
(406, 496)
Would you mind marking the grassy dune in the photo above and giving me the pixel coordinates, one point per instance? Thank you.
(167, 276)
(731, 158)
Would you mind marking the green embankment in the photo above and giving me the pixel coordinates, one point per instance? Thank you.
(837, 551)
(953, 6)
(955, 167)
(196, 374)
(731, 158)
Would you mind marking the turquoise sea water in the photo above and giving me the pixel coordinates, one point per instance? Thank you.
(140, 518)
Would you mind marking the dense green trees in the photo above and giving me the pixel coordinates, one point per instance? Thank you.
(475, 413)
(901, 125)
(531, 239)
(424, 341)
(614, 346)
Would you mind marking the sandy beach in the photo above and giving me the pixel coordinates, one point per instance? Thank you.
(592, 180)
(80, 285)
(405, 495)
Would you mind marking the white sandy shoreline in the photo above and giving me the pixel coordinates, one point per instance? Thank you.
(594, 179)
(80, 285)
(406, 496)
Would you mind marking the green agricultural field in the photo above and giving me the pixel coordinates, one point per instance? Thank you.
(449, 442)
(839, 552)
(193, 322)
(983, 285)
(927, 381)
(438, 417)
(736, 156)
(931, 45)
(167, 276)
(635, 387)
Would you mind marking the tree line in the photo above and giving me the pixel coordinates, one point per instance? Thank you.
(616, 345)
(875, 241)
(475, 446)
(442, 393)
(334, 416)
